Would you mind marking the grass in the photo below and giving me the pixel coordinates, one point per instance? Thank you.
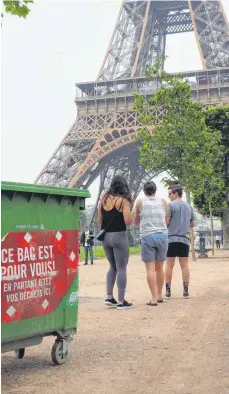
(99, 252)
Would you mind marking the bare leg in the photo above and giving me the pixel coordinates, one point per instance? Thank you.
(169, 269)
(168, 276)
(184, 268)
(151, 279)
(159, 278)
(185, 275)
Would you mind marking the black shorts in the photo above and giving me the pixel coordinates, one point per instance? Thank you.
(178, 249)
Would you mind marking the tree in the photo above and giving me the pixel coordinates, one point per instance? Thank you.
(218, 204)
(178, 141)
(181, 144)
(19, 8)
(210, 196)
(217, 119)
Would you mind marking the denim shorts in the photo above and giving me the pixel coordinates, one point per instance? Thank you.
(154, 247)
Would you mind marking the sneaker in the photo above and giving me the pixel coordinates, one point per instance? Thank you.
(125, 305)
(168, 296)
(111, 302)
(186, 294)
(85, 263)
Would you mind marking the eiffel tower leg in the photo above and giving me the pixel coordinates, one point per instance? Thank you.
(212, 32)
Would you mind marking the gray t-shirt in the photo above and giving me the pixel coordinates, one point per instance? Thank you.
(180, 213)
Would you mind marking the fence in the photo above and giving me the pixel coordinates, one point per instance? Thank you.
(134, 241)
(98, 252)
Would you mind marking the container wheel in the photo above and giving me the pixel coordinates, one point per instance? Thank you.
(20, 353)
(58, 356)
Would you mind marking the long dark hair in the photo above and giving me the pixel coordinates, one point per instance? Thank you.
(118, 187)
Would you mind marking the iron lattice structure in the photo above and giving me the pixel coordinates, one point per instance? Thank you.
(102, 141)
(139, 37)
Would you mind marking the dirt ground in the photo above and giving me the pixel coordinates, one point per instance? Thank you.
(180, 346)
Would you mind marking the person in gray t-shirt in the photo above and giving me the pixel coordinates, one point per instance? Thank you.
(180, 218)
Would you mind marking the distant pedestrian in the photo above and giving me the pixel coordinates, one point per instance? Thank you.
(197, 242)
(218, 241)
(113, 215)
(87, 242)
(150, 214)
(180, 218)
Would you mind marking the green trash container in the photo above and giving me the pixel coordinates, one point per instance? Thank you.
(40, 261)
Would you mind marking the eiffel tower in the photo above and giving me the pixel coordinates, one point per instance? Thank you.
(102, 141)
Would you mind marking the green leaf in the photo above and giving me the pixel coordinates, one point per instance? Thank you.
(18, 8)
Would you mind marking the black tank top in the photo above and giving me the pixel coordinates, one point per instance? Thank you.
(117, 223)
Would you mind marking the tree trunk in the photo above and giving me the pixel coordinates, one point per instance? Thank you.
(192, 237)
(212, 229)
(226, 229)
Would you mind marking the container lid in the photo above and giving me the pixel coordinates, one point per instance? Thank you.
(34, 188)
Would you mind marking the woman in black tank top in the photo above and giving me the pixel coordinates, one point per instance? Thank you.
(113, 215)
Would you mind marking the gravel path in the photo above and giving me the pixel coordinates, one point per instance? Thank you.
(180, 346)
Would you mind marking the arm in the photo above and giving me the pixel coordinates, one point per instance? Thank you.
(168, 214)
(91, 234)
(192, 220)
(167, 220)
(166, 209)
(82, 238)
(126, 212)
(137, 213)
(99, 215)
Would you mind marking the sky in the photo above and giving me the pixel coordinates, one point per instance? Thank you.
(60, 43)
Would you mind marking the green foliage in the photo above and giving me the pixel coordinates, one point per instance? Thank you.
(19, 8)
(179, 141)
(217, 119)
(219, 203)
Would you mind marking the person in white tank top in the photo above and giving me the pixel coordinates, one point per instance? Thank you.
(150, 214)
